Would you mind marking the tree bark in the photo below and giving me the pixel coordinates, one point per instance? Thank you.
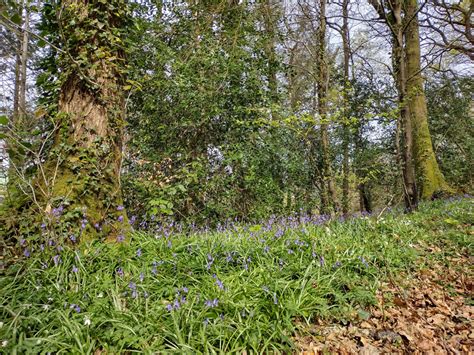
(83, 169)
(400, 69)
(427, 168)
(328, 191)
(346, 118)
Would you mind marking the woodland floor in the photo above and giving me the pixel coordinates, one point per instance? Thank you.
(429, 312)
(387, 283)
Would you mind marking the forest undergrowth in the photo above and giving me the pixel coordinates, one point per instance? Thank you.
(274, 286)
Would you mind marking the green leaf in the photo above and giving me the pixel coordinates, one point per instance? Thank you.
(16, 18)
(3, 120)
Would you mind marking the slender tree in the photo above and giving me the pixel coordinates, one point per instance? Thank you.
(346, 118)
(328, 191)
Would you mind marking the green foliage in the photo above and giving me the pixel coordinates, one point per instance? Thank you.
(265, 278)
(452, 129)
(196, 113)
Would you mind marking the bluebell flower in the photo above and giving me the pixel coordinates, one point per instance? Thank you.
(363, 261)
(83, 223)
(120, 238)
(220, 284)
(74, 268)
(75, 307)
(337, 264)
(56, 259)
(120, 208)
(169, 307)
(120, 218)
(139, 252)
(275, 298)
(26, 253)
(119, 271)
(142, 276)
(211, 303)
(321, 260)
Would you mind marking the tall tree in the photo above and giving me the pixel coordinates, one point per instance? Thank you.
(394, 19)
(346, 118)
(328, 190)
(81, 174)
(431, 178)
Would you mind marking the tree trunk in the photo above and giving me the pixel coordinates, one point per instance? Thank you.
(83, 169)
(427, 168)
(400, 69)
(269, 15)
(346, 118)
(328, 191)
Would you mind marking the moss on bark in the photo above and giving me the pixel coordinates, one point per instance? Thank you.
(431, 178)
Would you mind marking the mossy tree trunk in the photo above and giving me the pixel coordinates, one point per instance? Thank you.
(83, 170)
(427, 168)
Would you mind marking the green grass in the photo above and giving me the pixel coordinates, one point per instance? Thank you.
(263, 289)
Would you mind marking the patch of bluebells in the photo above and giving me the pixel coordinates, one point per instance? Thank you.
(178, 301)
(211, 303)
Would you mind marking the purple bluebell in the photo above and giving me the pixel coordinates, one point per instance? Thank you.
(75, 307)
(139, 252)
(119, 271)
(176, 304)
(120, 208)
(142, 276)
(120, 238)
(363, 261)
(211, 303)
(74, 268)
(26, 253)
(56, 259)
(120, 218)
